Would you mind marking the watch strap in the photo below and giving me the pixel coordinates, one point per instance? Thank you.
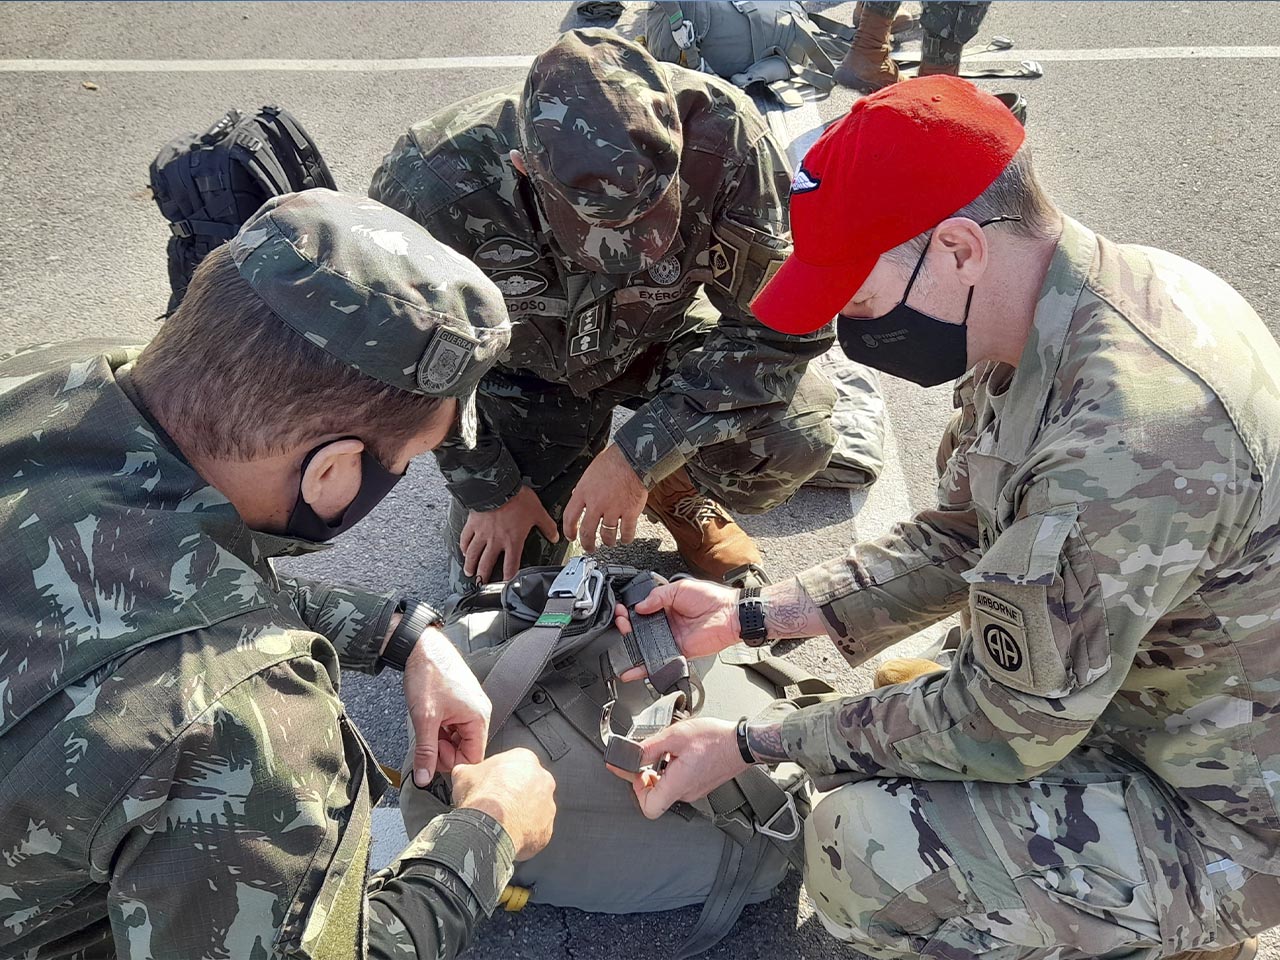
(414, 619)
(751, 610)
(744, 747)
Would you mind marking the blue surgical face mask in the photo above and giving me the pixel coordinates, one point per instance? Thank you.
(376, 482)
(908, 343)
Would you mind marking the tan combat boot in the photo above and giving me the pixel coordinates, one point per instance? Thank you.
(1237, 951)
(902, 669)
(709, 540)
(867, 66)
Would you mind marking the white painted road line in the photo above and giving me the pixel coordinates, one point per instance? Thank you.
(521, 62)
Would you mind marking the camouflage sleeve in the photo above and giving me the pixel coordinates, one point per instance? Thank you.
(249, 836)
(884, 590)
(450, 875)
(355, 621)
(1057, 608)
(743, 371)
(486, 477)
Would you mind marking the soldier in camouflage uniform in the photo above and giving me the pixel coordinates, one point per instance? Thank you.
(628, 211)
(947, 24)
(1095, 773)
(179, 777)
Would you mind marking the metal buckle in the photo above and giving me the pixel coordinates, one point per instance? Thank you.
(582, 580)
(767, 827)
(180, 228)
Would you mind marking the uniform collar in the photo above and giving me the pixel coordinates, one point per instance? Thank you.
(1038, 366)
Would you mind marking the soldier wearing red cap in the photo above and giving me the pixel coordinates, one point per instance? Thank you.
(1093, 771)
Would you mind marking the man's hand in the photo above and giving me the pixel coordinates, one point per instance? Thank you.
(703, 617)
(704, 754)
(449, 711)
(503, 531)
(514, 789)
(610, 496)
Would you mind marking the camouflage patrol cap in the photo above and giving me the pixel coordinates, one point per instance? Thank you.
(375, 290)
(600, 133)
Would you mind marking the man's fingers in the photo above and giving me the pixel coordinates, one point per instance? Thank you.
(609, 532)
(573, 515)
(472, 737)
(548, 528)
(447, 758)
(587, 535)
(657, 599)
(484, 567)
(635, 673)
(628, 532)
(655, 800)
(426, 747)
(468, 535)
(510, 563)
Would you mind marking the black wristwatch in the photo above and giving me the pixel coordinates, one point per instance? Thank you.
(415, 616)
(751, 610)
(744, 746)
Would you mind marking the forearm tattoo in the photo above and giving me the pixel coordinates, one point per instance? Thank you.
(790, 612)
(764, 740)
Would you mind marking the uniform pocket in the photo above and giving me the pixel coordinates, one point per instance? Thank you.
(1036, 610)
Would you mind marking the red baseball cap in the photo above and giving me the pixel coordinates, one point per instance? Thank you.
(902, 161)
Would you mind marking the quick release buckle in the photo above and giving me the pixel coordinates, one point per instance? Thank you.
(583, 581)
(769, 827)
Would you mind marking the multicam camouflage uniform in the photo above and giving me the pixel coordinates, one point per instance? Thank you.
(1096, 773)
(621, 319)
(947, 24)
(179, 777)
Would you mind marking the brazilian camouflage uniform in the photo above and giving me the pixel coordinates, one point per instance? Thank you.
(1096, 773)
(947, 24)
(620, 319)
(179, 777)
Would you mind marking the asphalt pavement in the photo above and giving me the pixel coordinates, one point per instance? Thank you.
(1177, 152)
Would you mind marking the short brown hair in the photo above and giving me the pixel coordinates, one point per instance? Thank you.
(1016, 192)
(235, 383)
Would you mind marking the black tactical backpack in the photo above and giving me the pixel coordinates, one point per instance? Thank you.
(207, 185)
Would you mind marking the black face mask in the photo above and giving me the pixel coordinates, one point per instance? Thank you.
(910, 344)
(376, 482)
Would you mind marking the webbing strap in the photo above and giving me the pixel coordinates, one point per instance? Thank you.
(667, 667)
(523, 661)
(784, 673)
(682, 31)
(738, 865)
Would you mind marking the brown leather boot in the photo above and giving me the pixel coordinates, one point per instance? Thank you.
(1236, 951)
(902, 669)
(709, 540)
(867, 66)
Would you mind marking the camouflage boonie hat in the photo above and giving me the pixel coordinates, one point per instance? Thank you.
(375, 290)
(600, 133)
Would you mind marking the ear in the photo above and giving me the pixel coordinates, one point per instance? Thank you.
(332, 478)
(517, 161)
(965, 246)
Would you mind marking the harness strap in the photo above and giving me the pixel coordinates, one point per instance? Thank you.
(784, 673)
(738, 866)
(525, 658)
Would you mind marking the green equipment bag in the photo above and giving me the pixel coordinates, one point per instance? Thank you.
(771, 42)
(545, 647)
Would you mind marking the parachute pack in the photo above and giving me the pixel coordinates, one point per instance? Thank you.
(549, 655)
